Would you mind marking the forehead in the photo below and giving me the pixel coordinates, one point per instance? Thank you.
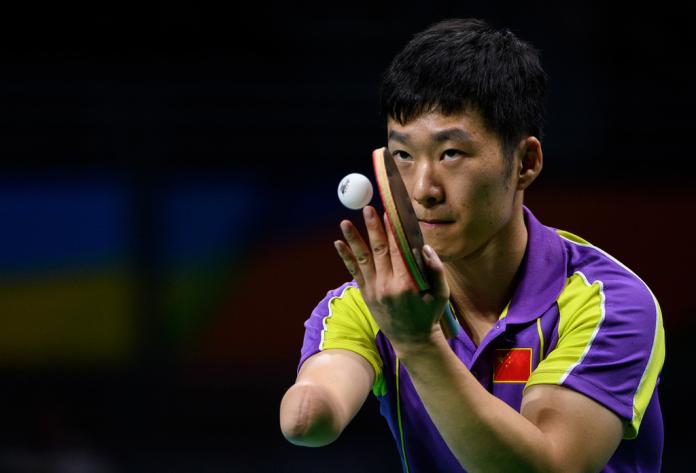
(432, 125)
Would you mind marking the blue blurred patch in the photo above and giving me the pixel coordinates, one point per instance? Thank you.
(210, 218)
(54, 225)
(70, 223)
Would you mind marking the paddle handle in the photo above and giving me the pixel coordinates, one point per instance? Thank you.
(449, 323)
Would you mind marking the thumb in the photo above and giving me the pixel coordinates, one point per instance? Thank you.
(436, 273)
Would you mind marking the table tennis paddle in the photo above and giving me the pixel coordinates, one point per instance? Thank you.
(405, 228)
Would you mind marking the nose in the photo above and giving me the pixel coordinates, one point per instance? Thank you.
(427, 189)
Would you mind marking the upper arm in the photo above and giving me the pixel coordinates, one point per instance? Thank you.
(339, 364)
(582, 434)
(330, 389)
(346, 376)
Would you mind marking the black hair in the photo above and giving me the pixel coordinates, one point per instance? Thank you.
(463, 64)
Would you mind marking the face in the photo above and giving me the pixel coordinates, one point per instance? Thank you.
(459, 182)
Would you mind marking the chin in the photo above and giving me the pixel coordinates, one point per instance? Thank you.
(450, 253)
(443, 253)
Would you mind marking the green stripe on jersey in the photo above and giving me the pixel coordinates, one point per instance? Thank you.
(649, 378)
(581, 311)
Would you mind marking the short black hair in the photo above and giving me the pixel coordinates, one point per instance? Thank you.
(462, 64)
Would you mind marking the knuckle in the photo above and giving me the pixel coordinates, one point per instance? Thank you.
(363, 258)
(380, 249)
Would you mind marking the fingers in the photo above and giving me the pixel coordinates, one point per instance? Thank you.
(378, 243)
(436, 273)
(378, 264)
(350, 262)
(360, 253)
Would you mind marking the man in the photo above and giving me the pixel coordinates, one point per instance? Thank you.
(557, 366)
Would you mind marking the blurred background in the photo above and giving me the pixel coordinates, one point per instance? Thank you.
(168, 207)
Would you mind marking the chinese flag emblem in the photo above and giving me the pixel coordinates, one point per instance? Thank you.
(512, 365)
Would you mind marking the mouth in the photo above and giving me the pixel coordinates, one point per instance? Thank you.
(433, 223)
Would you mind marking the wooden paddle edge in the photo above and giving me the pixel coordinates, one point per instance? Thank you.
(378, 157)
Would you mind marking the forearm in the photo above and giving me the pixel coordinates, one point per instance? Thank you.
(483, 432)
(309, 416)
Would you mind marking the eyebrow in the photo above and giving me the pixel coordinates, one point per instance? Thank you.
(440, 136)
(452, 134)
(396, 136)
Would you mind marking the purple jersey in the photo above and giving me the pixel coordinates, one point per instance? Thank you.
(577, 318)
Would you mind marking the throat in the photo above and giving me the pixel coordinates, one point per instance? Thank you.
(477, 327)
(478, 315)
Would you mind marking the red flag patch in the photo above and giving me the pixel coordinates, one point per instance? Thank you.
(512, 365)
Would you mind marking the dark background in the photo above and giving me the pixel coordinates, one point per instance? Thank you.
(168, 204)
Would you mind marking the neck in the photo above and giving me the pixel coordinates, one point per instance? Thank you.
(482, 283)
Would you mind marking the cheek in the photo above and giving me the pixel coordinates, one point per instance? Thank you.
(492, 200)
(482, 192)
(487, 193)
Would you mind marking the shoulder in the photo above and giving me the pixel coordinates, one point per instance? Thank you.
(343, 300)
(619, 292)
(342, 314)
(342, 321)
(610, 332)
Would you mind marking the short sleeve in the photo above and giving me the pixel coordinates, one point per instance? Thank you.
(342, 320)
(610, 345)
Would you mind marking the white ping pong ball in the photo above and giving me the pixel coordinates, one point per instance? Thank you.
(355, 191)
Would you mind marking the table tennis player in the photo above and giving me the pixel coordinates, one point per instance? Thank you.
(557, 365)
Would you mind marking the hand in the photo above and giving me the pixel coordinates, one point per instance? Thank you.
(403, 313)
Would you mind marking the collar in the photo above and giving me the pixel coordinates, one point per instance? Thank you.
(542, 273)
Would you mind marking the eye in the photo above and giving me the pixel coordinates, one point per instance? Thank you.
(401, 156)
(451, 154)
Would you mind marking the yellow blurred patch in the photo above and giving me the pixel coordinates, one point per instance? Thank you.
(74, 319)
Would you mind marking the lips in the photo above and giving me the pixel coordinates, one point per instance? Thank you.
(435, 221)
(428, 224)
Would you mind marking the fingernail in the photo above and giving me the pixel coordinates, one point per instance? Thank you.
(368, 214)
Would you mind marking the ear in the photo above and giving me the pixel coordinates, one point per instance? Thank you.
(530, 162)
